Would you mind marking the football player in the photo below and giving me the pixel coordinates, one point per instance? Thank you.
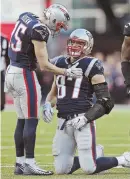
(76, 113)
(125, 53)
(27, 47)
(4, 61)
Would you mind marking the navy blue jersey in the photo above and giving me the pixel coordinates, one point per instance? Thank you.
(75, 96)
(21, 49)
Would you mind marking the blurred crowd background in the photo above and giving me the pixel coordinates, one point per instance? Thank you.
(104, 18)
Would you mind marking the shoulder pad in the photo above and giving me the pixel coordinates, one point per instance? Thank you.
(55, 59)
(40, 32)
(95, 67)
(60, 61)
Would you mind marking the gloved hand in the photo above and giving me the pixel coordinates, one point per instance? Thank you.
(127, 29)
(128, 90)
(79, 122)
(74, 72)
(47, 112)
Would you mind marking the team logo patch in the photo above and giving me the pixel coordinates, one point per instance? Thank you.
(42, 32)
(99, 65)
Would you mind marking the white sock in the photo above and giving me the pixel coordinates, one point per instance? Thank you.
(30, 161)
(20, 160)
(121, 160)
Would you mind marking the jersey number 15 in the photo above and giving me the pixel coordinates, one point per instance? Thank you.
(15, 42)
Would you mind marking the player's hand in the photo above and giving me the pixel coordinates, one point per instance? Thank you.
(79, 122)
(74, 72)
(127, 29)
(47, 112)
(128, 90)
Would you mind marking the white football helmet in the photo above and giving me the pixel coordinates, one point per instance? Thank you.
(80, 42)
(57, 18)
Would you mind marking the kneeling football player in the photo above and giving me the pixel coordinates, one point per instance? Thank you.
(76, 112)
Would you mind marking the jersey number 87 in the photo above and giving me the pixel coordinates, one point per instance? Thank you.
(61, 80)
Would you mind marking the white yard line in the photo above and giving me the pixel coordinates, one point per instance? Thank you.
(50, 146)
(45, 165)
(12, 166)
(41, 139)
(37, 155)
(50, 155)
(119, 108)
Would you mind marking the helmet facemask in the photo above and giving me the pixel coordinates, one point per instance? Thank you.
(80, 43)
(76, 47)
(58, 27)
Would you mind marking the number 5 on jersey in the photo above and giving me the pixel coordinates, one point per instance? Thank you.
(15, 42)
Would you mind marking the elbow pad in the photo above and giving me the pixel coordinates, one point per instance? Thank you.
(107, 104)
(103, 105)
(103, 97)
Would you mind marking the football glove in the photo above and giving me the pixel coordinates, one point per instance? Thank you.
(127, 29)
(74, 72)
(79, 122)
(128, 90)
(47, 112)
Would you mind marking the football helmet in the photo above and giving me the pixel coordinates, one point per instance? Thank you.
(80, 42)
(57, 18)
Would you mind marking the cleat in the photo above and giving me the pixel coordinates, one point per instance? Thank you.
(35, 170)
(18, 169)
(127, 160)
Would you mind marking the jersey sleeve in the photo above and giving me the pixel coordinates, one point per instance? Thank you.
(94, 68)
(127, 29)
(54, 60)
(40, 33)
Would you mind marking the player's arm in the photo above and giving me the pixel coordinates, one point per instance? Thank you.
(39, 38)
(104, 103)
(125, 57)
(50, 103)
(52, 95)
(42, 57)
(125, 50)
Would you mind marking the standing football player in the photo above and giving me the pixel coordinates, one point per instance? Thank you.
(76, 114)
(4, 61)
(27, 47)
(125, 53)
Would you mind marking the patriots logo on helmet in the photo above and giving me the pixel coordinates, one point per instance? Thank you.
(89, 35)
(65, 13)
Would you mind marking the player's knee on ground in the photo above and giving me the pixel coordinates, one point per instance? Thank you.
(88, 169)
(87, 157)
(63, 164)
(87, 149)
(87, 164)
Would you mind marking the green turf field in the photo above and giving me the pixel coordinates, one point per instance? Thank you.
(113, 132)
